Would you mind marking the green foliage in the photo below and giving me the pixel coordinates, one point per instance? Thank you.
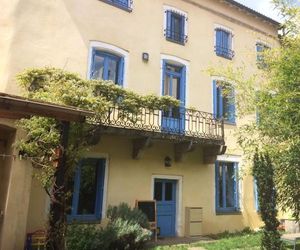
(263, 172)
(130, 235)
(86, 237)
(126, 213)
(65, 88)
(119, 234)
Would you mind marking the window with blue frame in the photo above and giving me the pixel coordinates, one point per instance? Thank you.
(175, 27)
(87, 197)
(174, 81)
(224, 101)
(260, 60)
(223, 46)
(123, 4)
(227, 190)
(107, 66)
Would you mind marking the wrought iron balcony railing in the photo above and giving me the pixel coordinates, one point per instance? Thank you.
(224, 52)
(177, 123)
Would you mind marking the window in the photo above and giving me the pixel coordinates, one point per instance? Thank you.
(87, 197)
(107, 66)
(224, 101)
(174, 81)
(123, 4)
(260, 49)
(175, 30)
(227, 198)
(223, 45)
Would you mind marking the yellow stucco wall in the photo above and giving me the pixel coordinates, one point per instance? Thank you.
(129, 180)
(59, 33)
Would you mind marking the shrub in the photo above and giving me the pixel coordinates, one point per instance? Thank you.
(263, 172)
(130, 235)
(124, 231)
(83, 237)
(126, 213)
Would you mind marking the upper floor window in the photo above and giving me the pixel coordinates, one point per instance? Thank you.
(224, 101)
(224, 43)
(227, 191)
(87, 197)
(260, 49)
(107, 66)
(123, 4)
(175, 27)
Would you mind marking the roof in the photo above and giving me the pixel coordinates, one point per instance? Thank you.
(253, 12)
(16, 107)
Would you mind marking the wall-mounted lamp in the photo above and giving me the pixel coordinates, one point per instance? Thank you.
(168, 162)
(145, 57)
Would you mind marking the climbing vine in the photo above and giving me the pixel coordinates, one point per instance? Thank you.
(43, 134)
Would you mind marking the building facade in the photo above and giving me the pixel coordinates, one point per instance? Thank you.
(161, 47)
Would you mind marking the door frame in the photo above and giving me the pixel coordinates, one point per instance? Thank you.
(178, 215)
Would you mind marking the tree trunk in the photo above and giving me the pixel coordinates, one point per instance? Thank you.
(57, 216)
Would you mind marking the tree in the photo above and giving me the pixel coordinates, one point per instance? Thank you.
(44, 138)
(273, 93)
(263, 172)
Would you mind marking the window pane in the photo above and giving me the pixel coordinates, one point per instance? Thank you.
(158, 191)
(230, 184)
(112, 70)
(228, 103)
(98, 67)
(175, 88)
(88, 187)
(169, 191)
(220, 183)
(167, 84)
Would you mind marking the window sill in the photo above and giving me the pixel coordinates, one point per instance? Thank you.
(228, 57)
(128, 9)
(220, 212)
(175, 41)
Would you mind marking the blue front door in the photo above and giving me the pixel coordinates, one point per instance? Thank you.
(174, 85)
(165, 196)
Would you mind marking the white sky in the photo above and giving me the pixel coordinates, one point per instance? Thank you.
(263, 6)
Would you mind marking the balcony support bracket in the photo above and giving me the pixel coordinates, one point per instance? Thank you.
(210, 153)
(182, 148)
(139, 145)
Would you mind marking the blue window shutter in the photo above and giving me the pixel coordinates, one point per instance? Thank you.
(217, 185)
(163, 76)
(236, 186)
(75, 200)
(215, 99)
(220, 113)
(169, 16)
(182, 29)
(225, 41)
(183, 85)
(121, 71)
(218, 41)
(231, 107)
(100, 188)
(92, 66)
(224, 185)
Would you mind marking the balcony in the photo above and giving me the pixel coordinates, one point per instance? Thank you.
(186, 128)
